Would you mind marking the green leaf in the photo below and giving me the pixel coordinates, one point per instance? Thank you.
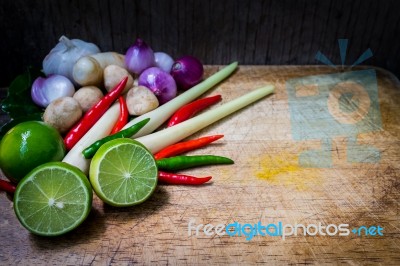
(13, 122)
(18, 102)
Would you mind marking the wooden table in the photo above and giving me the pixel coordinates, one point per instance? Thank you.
(271, 182)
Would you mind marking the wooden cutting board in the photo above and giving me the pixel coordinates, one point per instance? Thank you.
(324, 148)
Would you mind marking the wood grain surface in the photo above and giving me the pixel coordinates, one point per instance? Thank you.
(267, 183)
(257, 32)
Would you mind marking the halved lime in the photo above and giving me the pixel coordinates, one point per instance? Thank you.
(123, 172)
(52, 199)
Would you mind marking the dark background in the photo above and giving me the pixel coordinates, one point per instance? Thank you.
(273, 32)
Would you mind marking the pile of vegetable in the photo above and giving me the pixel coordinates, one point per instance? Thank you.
(92, 97)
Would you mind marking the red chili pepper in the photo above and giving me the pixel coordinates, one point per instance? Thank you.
(123, 116)
(181, 147)
(93, 115)
(189, 110)
(178, 179)
(7, 186)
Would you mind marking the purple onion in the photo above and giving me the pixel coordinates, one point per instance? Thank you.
(139, 57)
(187, 72)
(160, 83)
(46, 90)
(163, 61)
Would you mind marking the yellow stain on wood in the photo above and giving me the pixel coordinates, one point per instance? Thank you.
(285, 169)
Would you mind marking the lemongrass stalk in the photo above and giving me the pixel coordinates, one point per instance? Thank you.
(165, 111)
(101, 129)
(163, 138)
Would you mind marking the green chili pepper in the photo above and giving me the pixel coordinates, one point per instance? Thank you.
(126, 133)
(183, 162)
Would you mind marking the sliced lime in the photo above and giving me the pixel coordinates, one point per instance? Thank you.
(123, 173)
(53, 199)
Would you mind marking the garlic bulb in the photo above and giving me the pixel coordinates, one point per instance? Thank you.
(63, 56)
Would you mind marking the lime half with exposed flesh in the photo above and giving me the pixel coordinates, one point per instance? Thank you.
(123, 172)
(53, 199)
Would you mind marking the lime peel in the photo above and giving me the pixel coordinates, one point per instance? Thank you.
(123, 173)
(53, 199)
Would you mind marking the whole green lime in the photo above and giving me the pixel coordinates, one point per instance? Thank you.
(27, 145)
